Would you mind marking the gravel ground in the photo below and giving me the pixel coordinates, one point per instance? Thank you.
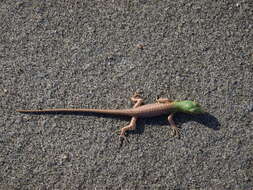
(96, 54)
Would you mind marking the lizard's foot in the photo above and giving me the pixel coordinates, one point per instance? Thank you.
(118, 131)
(122, 138)
(175, 132)
(157, 99)
(136, 94)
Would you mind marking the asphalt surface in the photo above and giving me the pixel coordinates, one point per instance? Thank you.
(96, 54)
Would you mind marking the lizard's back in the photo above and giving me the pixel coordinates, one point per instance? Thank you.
(150, 110)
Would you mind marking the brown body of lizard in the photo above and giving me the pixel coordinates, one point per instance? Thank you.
(162, 107)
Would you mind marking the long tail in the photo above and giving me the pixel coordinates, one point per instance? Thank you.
(123, 112)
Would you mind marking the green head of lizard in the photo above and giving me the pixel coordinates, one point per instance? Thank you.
(187, 106)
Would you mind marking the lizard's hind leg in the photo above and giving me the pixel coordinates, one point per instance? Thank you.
(130, 127)
(137, 100)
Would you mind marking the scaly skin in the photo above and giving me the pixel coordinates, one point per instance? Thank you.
(162, 107)
(148, 110)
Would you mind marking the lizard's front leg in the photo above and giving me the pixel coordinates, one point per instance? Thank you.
(175, 129)
(136, 99)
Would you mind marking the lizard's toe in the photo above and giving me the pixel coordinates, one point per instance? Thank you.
(123, 138)
(175, 132)
(118, 131)
(136, 95)
(157, 98)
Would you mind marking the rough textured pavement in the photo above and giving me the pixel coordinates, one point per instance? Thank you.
(96, 54)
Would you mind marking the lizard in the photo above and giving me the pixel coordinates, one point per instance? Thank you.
(162, 106)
